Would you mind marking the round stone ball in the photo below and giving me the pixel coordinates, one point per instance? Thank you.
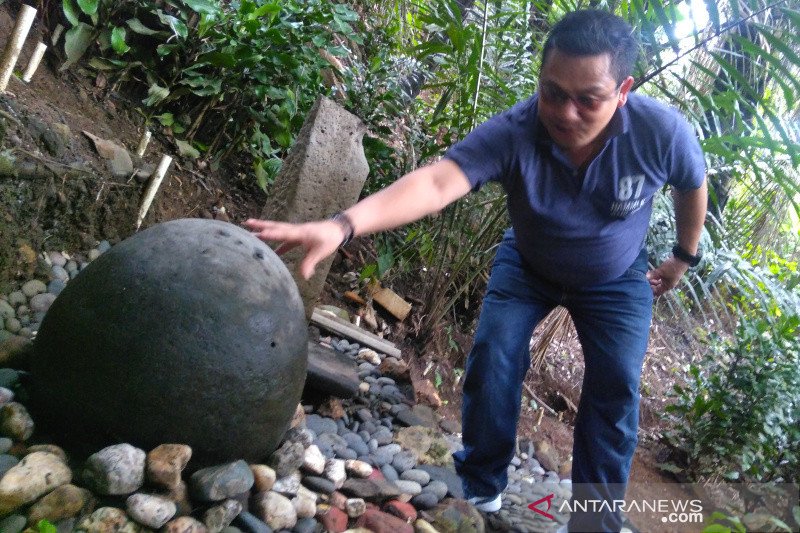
(190, 332)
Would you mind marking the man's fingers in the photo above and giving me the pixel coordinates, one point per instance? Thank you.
(285, 247)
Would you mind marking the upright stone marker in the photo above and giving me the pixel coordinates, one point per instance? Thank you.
(323, 174)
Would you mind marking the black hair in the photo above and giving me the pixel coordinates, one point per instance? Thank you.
(590, 32)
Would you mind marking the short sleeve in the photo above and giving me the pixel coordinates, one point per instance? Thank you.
(485, 153)
(685, 161)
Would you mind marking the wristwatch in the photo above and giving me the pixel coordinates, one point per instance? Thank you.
(347, 226)
(686, 257)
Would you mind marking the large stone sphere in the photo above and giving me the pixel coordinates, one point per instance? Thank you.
(190, 332)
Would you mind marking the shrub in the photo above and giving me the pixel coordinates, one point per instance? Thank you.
(739, 415)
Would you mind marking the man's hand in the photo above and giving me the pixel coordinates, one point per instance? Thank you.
(666, 276)
(319, 239)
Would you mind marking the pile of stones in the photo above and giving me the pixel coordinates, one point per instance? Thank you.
(375, 462)
(22, 310)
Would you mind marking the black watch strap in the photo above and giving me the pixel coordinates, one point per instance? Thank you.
(686, 257)
(347, 225)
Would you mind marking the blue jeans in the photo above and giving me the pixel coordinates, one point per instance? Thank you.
(613, 324)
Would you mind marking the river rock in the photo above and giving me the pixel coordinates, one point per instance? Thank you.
(15, 422)
(370, 489)
(287, 458)
(108, 520)
(150, 510)
(166, 462)
(274, 509)
(115, 470)
(380, 522)
(313, 460)
(218, 517)
(65, 501)
(184, 524)
(218, 483)
(335, 471)
(305, 503)
(36, 475)
(33, 287)
(263, 477)
(250, 523)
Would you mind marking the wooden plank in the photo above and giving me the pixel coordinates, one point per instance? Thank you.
(392, 302)
(352, 332)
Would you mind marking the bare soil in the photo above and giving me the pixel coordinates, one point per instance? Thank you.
(72, 201)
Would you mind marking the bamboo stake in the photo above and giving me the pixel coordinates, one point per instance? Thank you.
(143, 142)
(152, 188)
(56, 34)
(14, 46)
(33, 64)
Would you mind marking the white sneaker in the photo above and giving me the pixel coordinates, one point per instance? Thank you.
(487, 504)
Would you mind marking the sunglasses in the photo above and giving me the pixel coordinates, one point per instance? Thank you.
(553, 94)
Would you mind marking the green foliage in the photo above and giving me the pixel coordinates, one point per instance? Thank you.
(229, 76)
(44, 526)
(739, 416)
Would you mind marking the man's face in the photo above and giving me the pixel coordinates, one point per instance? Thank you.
(577, 97)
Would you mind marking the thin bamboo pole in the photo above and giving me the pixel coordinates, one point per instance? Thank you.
(33, 64)
(152, 188)
(18, 35)
(143, 142)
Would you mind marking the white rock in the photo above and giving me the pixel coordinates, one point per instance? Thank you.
(57, 258)
(288, 485)
(358, 468)
(355, 507)
(313, 460)
(263, 477)
(370, 356)
(274, 509)
(335, 471)
(36, 475)
(116, 470)
(150, 510)
(305, 503)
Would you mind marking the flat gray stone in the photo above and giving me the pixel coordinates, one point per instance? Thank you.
(331, 372)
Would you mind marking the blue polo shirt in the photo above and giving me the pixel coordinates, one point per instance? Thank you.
(572, 229)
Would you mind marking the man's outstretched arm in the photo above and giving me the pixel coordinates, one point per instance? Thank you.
(419, 193)
(690, 215)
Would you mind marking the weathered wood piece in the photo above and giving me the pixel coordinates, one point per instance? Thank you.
(352, 332)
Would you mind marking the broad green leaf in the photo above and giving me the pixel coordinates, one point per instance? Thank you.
(272, 9)
(178, 27)
(155, 94)
(166, 119)
(136, 26)
(118, 40)
(71, 12)
(187, 150)
(207, 7)
(76, 42)
(88, 6)
(262, 177)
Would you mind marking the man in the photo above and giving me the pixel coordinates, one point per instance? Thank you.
(580, 161)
